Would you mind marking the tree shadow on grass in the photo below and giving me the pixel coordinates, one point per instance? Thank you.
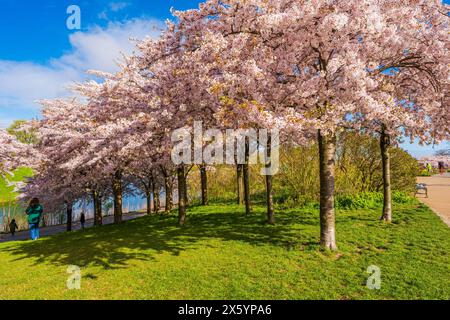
(112, 247)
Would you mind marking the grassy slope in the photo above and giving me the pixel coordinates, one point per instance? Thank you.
(221, 254)
(7, 192)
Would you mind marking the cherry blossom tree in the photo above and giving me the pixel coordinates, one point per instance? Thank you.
(177, 85)
(117, 134)
(11, 152)
(62, 134)
(316, 59)
(408, 58)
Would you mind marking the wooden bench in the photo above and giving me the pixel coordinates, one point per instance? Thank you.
(421, 186)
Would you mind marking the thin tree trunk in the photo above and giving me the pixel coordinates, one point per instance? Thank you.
(148, 196)
(240, 183)
(269, 190)
(327, 150)
(97, 208)
(155, 198)
(69, 210)
(181, 195)
(44, 223)
(204, 183)
(386, 164)
(158, 202)
(99, 214)
(94, 201)
(117, 191)
(169, 195)
(247, 180)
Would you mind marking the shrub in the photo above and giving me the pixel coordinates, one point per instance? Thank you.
(370, 200)
(358, 166)
(424, 173)
(361, 200)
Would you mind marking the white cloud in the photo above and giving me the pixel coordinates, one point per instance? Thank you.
(100, 48)
(113, 7)
(117, 6)
(21, 83)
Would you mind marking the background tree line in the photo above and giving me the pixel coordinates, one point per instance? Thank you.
(358, 171)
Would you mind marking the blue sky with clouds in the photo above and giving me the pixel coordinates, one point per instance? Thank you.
(40, 56)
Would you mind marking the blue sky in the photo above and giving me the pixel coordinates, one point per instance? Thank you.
(40, 56)
(36, 30)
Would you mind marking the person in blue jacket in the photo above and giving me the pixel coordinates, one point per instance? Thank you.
(34, 213)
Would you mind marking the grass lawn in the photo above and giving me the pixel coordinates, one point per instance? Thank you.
(222, 254)
(7, 193)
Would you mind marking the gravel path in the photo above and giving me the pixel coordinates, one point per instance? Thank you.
(438, 195)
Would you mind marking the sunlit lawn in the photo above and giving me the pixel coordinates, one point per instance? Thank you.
(6, 190)
(223, 254)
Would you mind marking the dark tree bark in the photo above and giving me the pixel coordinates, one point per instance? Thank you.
(181, 174)
(269, 190)
(169, 193)
(99, 215)
(158, 201)
(69, 209)
(248, 208)
(94, 201)
(240, 183)
(147, 185)
(155, 198)
(204, 184)
(148, 196)
(386, 164)
(98, 219)
(117, 191)
(327, 151)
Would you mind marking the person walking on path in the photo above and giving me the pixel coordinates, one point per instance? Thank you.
(34, 213)
(82, 220)
(13, 226)
(429, 168)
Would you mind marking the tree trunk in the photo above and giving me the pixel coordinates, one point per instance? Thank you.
(240, 184)
(148, 196)
(386, 163)
(94, 202)
(69, 210)
(327, 150)
(155, 198)
(247, 180)
(97, 208)
(204, 183)
(117, 191)
(169, 194)
(181, 195)
(158, 201)
(269, 191)
(99, 215)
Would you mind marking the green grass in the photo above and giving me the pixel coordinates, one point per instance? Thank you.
(223, 254)
(7, 193)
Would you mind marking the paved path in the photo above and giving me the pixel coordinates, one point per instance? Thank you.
(438, 195)
(47, 231)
